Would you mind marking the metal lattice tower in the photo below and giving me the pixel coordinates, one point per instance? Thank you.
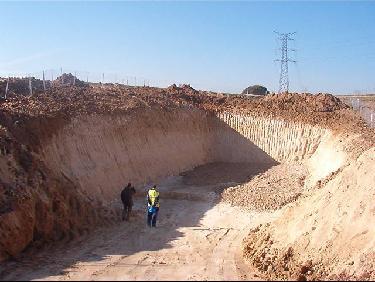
(284, 78)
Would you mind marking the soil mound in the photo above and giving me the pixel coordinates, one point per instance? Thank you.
(270, 190)
(67, 79)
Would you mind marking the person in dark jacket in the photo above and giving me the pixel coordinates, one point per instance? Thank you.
(127, 200)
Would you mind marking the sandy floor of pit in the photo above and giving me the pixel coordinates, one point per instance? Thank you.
(197, 238)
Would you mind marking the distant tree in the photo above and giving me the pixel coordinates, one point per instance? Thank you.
(255, 90)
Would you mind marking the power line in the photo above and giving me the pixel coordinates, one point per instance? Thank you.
(284, 76)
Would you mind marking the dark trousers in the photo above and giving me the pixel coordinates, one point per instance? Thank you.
(151, 217)
(126, 212)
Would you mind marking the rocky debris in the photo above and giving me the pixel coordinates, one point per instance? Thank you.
(270, 190)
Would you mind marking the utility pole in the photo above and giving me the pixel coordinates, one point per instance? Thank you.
(284, 79)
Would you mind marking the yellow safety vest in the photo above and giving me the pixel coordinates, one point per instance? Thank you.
(153, 195)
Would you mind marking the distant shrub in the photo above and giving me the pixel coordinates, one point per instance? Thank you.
(255, 90)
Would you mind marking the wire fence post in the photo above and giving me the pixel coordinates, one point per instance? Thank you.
(62, 77)
(44, 83)
(6, 88)
(30, 86)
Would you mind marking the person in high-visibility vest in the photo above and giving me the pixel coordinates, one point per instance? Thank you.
(153, 206)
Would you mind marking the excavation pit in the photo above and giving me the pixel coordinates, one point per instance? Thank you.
(224, 165)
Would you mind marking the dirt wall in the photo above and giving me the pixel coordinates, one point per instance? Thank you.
(102, 153)
(280, 139)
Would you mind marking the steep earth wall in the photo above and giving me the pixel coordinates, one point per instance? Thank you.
(280, 139)
(322, 150)
(102, 153)
(37, 205)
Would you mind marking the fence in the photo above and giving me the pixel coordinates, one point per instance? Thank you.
(367, 112)
(43, 80)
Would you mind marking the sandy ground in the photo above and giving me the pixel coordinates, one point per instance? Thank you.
(197, 238)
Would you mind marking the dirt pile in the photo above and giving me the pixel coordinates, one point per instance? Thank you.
(307, 102)
(67, 79)
(183, 88)
(270, 190)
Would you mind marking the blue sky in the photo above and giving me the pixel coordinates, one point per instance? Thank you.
(221, 46)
